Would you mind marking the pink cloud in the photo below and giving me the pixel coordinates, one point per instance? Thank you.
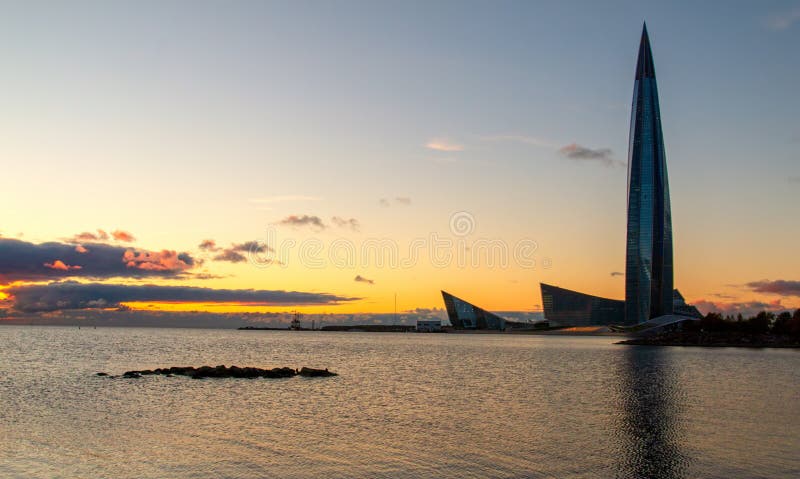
(61, 266)
(120, 235)
(164, 260)
(745, 308)
(81, 249)
(89, 236)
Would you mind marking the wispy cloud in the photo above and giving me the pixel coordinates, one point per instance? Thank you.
(361, 279)
(86, 236)
(399, 200)
(617, 273)
(783, 20)
(528, 140)
(444, 144)
(793, 179)
(350, 223)
(578, 152)
(284, 199)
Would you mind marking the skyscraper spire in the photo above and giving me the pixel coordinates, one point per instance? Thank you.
(644, 66)
(648, 267)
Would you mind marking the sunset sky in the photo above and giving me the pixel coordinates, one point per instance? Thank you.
(210, 156)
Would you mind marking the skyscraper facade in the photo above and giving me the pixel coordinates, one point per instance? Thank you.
(648, 268)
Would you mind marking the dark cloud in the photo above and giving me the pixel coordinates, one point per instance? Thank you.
(234, 254)
(361, 279)
(208, 245)
(251, 247)
(120, 235)
(582, 153)
(303, 220)
(24, 261)
(617, 273)
(73, 295)
(230, 256)
(351, 223)
(782, 287)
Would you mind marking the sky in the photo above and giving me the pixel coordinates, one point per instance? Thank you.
(355, 158)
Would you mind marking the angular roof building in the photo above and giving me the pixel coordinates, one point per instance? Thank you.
(648, 259)
(564, 307)
(464, 315)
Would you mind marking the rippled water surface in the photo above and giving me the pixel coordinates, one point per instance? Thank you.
(404, 405)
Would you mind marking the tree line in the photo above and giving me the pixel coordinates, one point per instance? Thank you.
(783, 324)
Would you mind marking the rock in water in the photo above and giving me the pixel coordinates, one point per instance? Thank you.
(222, 371)
(315, 373)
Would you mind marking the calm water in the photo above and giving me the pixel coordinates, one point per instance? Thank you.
(405, 405)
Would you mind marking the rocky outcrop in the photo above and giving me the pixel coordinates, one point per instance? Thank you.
(227, 372)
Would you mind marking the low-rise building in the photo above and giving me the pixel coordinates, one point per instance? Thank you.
(429, 325)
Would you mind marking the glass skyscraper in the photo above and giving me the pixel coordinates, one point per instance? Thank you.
(648, 268)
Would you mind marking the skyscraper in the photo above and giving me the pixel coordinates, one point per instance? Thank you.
(648, 268)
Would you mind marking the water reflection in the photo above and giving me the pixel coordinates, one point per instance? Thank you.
(647, 427)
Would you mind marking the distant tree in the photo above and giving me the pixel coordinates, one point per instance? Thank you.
(761, 323)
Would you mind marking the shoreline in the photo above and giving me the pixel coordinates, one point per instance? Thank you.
(716, 340)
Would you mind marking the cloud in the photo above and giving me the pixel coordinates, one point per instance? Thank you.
(230, 256)
(59, 265)
(793, 179)
(284, 199)
(303, 220)
(745, 308)
(783, 20)
(361, 279)
(351, 223)
(443, 144)
(528, 140)
(120, 235)
(617, 273)
(25, 261)
(67, 295)
(399, 200)
(781, 287)
(87, 236)
(208, 245)
(164, 260)
(233, 254)
(581, 153)
(251, 246)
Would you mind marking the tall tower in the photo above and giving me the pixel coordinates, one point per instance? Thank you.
(648, 266)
